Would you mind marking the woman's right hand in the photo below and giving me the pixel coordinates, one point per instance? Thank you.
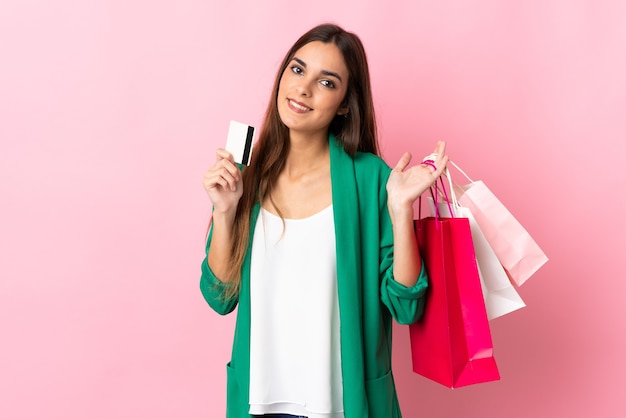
(223, 183)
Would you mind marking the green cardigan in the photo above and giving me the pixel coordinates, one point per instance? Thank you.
(368, 295)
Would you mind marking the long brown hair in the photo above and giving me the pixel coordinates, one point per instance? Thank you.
(356, 131)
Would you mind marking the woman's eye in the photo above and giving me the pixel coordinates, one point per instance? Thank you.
(296, 70)
(328, 83)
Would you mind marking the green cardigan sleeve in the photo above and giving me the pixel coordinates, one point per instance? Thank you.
(213, 289)
(406, 304)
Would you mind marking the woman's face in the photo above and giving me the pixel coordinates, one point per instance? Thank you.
(312, 88)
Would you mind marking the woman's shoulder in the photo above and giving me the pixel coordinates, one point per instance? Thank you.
(362, 161)
(369, 161)
(371, 171)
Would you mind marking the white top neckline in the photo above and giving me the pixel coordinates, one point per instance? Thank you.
(320, 213)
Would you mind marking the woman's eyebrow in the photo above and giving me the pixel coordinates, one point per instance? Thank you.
(325, 72)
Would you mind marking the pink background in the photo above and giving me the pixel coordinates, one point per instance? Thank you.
(110, 112)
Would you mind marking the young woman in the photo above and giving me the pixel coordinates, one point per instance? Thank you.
(314, 242)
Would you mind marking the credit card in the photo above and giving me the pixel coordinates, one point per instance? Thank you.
(239, 141)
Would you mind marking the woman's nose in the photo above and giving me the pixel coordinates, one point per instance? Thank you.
(304, 87)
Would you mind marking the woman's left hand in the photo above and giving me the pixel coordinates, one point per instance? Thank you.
(405, 185)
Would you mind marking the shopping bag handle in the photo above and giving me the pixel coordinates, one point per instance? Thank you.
(460, 171)
(435, 200)
(455, 201)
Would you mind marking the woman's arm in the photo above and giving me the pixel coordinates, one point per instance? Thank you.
(406, 260)
(404, 186)
(224, 186)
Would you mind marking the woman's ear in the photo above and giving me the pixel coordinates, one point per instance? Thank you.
(343, 110)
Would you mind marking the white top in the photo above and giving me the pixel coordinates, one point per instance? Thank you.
(295, 359)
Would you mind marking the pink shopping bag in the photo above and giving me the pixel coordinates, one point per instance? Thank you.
(518, 253)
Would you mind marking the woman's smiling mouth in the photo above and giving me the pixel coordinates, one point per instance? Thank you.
(298, 107)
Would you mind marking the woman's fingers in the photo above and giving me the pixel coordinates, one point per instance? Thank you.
(403, 162)
(222, 154)
(221, 176)
(437, 160)
(224, 172)
(227, 161)
(442, 157)
(222, 179)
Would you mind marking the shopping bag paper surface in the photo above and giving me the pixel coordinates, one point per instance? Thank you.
(518, 253)
(451, 344)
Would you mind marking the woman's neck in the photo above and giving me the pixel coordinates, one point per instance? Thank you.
(306, 153)
(303, 187)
